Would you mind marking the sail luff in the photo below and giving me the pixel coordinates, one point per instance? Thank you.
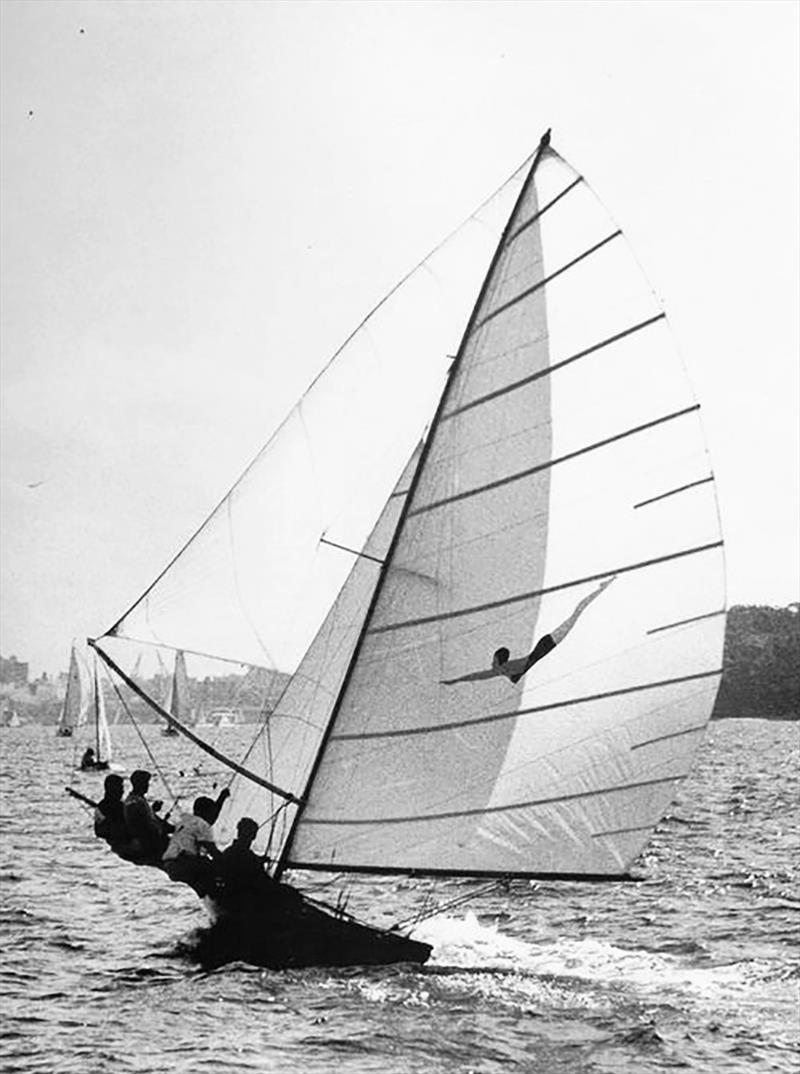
(283, 861)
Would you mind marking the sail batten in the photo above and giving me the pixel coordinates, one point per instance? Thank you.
(548, 279)
(673, 734)
(415, 818)
(511, 478)
(685, 622)
(538, 215)
(554, 366)
(675, 492)
(532, 594)
(515, 713)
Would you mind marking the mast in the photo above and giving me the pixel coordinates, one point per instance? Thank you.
(281, 866)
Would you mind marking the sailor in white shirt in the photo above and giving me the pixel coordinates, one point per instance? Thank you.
(191, 846)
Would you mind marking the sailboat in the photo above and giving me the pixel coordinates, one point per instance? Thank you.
(497, 588)
(178, 701)
(83, 713)
(73, 709)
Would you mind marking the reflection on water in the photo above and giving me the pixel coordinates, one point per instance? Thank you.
(693, 967)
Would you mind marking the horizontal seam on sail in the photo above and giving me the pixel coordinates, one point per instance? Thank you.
(673, 734)
(538, 286)
(462, 724)
(683, 622)
(457, 613)
(492, 809)
(538, 215)
(674, 492)
(552, 368)
(500, 482)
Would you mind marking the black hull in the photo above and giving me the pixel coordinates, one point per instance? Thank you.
(64, 732)
(282, 930)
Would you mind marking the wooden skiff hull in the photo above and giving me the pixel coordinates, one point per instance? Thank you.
(286, 931)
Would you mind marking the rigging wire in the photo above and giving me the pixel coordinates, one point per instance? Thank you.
(429, 911)
(175, 798)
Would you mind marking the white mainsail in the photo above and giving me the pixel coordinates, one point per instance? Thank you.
(566, 450)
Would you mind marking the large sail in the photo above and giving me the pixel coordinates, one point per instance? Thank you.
(567, 451)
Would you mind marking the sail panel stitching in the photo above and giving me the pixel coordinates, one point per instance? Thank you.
(462, 724)
(552, 368)
(458, 612)
(538, 286)
(674, 492)
(361, 821)
(500, 482)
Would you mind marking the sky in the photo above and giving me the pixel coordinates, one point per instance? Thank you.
(201, 199)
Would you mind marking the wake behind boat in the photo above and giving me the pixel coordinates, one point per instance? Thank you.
(463, 691)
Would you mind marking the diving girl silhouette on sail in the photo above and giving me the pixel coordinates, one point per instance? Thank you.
(515, 669)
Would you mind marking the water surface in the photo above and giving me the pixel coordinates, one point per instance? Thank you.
(694, 968)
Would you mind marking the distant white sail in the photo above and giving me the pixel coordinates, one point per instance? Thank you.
(75, 708)
(102, 733)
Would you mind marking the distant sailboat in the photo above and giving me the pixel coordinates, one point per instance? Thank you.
(178, 704)
(469, 696)
(74, 708)
(83, 713)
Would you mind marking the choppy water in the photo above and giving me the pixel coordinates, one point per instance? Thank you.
(696, 968)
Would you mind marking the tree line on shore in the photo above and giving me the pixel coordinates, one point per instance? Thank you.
(761, 664)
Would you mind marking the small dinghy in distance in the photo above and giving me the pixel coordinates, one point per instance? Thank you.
(495, 590)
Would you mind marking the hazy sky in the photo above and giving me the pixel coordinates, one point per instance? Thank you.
(201, 199)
